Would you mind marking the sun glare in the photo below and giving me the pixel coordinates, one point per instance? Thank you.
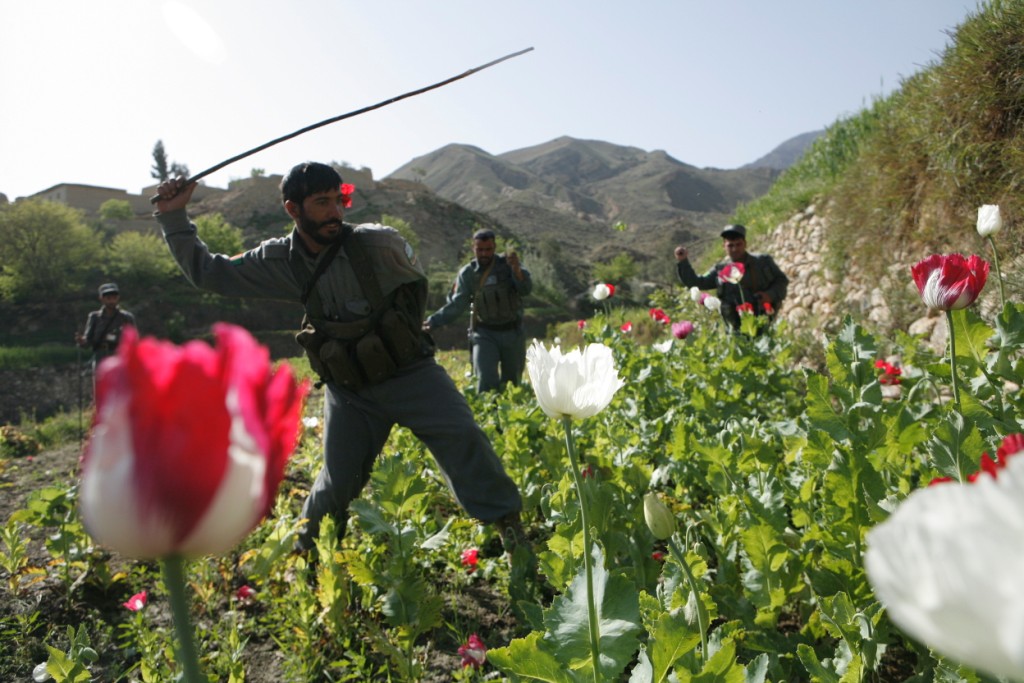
(194, 32)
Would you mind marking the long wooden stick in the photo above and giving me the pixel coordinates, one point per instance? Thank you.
(342, 117)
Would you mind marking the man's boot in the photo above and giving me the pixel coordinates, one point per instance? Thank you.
(510, 528)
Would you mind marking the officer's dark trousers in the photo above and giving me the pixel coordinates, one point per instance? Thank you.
(492, 348)
(425, 400)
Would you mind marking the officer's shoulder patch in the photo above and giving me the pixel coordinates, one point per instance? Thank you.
(277, 248)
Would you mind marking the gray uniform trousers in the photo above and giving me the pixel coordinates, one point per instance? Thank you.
(494, 347)
(423, 398)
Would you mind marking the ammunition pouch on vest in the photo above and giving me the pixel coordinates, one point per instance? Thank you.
(367, 351)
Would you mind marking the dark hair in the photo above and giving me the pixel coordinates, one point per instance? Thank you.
(483, 235)
(308, 178)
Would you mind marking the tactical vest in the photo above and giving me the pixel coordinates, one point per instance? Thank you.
(369, 350)
(497, 304)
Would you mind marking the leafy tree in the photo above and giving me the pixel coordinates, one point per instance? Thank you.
(46, 250)
(220, 236)
(619, 270)
(140, 259)
(404, 229)
(116, 210)
(161, 170)
(257, 172)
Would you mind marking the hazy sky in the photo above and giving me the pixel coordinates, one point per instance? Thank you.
(88, 87)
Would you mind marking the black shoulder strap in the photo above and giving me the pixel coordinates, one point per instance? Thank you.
(299, 269)
(360, 264)
(365, 274)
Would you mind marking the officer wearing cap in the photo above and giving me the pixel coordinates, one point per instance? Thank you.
(103, 328)
(763, 284)
(492, 287)
(364, 295)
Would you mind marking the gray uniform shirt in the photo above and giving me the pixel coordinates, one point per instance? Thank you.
(264, 271)
(469, 288)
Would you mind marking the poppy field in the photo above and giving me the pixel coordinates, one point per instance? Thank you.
(701, 512)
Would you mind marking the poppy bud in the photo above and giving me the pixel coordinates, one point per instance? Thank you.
(658, 517)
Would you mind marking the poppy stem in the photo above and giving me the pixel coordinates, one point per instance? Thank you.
(174, 579)
(999, 274)
(952, 356)
(690, 579)
(595, 630)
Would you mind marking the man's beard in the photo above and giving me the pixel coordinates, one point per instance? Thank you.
(312, 229)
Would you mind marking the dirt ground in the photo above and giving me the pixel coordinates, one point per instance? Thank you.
(479, 604)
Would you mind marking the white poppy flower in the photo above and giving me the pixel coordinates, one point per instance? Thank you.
(713, 303)
(948, 563)
(602, 292)
(695, 295)
(989, 220)
(577, 384)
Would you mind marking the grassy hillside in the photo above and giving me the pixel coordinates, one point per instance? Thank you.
(907, 175)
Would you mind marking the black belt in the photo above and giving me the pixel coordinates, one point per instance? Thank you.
(499, 328)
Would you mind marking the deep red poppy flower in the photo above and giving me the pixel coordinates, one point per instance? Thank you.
(470, 559)
(474, 652)
(658, 315)
(732, 273)
(346, 194)
(950, 282)
(188, 444)
(580, 324)
(245, 593)
(745, 308)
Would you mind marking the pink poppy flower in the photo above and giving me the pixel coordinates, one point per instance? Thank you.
(346, 194)
(188, 444)
(732, 273)
(474, 652)
(136, 602)
(682, 330)
(626, 326)
(950, 282)
(470, 559)
(581, 324)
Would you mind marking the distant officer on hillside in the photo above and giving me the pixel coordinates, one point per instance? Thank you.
(103, 327)
(763, 284)
(492, 287)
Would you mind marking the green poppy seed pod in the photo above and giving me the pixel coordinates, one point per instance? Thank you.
(658, 517)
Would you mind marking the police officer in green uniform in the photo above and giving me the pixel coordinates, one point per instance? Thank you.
(763, 284)
(364, 295)
(103, 327)
(492, 287)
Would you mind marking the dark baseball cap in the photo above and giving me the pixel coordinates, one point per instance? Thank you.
(734, 231)
(109, 288)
